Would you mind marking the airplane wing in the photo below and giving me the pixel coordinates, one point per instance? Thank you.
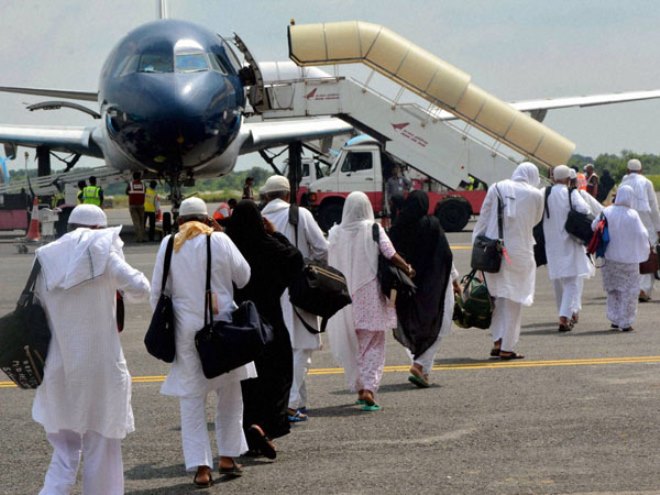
(272, 133)
(68, 139)
(54, 93)
(539, 108)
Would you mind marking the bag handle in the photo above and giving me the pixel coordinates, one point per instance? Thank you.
(500, 215)
(166, 263)
(28, 292)
(207, 294)
(570, 201)
(294, 215)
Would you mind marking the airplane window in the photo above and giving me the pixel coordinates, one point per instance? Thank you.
(355, 162)
(319, 172)
(217, 64)
(155, 63)
(128, 66)
(191, 62)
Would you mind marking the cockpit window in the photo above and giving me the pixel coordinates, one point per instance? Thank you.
(191, 62)
(156, 63)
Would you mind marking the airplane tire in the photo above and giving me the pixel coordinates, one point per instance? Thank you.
(329, 215)
(453, 213)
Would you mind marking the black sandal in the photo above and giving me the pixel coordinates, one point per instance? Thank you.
(257, 438)
(510, 355)
(231, 472)
(203, 484)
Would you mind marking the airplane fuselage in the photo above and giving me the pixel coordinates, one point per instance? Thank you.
(171, 101)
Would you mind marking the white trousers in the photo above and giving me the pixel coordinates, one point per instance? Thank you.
(103, 470)
(505, 323)
(647, 283)
(427, 358)
(568, 291)
(228, 426)
(302, 360)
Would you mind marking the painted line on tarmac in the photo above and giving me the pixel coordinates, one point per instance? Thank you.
(481, 365)
(464, 247)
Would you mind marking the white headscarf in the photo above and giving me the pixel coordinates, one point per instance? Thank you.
(352, 249)
(525, 172)
(629, 239)
(624, 196)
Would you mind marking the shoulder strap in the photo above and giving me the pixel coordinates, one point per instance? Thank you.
(26, 295)
(570, 201)
(293, 219)
(168, 258)
(548, 190)
(207, 294)
(375, 233)
(500, 216)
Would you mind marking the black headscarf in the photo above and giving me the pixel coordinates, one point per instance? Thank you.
(421, 241)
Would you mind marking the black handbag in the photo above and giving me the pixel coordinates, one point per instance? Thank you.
(487, 252)
(392, 279)
(223, 346)
(578, 224)
(24, 338)
(159, 339)
(320, 289)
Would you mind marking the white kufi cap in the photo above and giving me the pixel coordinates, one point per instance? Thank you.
(561, 172)
(88, 215)
(275, 183)
(635, 165)
(193, 206)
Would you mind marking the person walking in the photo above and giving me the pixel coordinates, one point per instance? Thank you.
(84, 401)
(513, 286)
(605, 186)
(185, 379)
(628, 246)
(357, 332)
(82, 184)
(150, 207)
(567, 258)
(592, 179)
(274, 264)
(248, 189)
(396, 187)
(645, 202)
(424, 318)
(308, 237)
(136, 194)
(92, 194)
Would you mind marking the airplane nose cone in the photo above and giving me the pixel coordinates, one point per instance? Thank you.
(177, 120)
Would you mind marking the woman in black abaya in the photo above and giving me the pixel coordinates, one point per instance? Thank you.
(274, 263)
(425, 317)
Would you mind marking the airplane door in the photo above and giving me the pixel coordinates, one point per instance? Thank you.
(357, 172)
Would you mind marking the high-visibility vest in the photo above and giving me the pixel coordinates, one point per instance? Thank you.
(581, 181)
(150, 196)
(91, 195)
(135, 193)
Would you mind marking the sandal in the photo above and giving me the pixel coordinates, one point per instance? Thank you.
(231, 472)
(257, 438)
(203, 477)
(368, 397)
(417, 378)
(565, 327)
(495, 352)
(295, 416)
(506, 356)
(369, 408)
(627, 329)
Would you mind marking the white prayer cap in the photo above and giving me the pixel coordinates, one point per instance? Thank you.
(561, 172)
(635, 165)
(275, 183)
(572, 174)
(193, 206)
(88, 215)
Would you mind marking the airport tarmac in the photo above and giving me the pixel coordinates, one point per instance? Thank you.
(579, 415)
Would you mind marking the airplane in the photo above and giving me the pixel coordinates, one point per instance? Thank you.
(172, 99)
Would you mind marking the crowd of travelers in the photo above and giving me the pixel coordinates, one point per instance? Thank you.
(84, 404)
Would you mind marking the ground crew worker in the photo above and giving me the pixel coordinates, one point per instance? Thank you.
(150, 200)
(92, 194)
(81, 188)
(136, 195)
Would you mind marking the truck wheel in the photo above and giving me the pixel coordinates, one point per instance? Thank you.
(453, 213)
(329, 215)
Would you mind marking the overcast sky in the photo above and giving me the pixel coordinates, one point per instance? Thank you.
(515, 49)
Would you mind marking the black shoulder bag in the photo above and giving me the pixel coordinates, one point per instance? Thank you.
(578, 224)
(487, 252)
(319, 289)
(159, 339)
(24, 338)
(540, 256)
(392, 279)
(223, 346)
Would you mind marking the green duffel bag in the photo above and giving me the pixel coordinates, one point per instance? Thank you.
(475, 307)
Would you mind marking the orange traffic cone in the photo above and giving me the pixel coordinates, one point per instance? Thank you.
(33, 233)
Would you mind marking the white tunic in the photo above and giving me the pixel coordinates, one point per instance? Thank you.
(186, 285)
(312, 245)
(645, 202)
(566, 257)
(515, 280)
(86, 385)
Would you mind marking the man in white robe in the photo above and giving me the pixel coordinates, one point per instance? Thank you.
(513, 286)
(84, 402)
(645, 202)
(567, 258)
(313, 245)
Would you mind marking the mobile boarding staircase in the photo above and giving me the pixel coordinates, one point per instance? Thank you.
(418, 135)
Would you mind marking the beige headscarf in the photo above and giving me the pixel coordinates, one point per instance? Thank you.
(188, 231)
